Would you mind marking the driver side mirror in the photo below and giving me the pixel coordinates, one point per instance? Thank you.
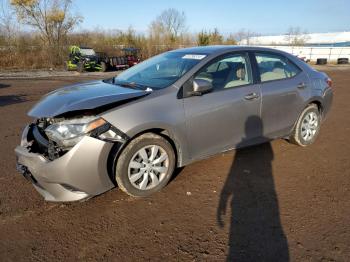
(200, 87)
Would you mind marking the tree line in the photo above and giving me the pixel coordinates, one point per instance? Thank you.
(37, 33)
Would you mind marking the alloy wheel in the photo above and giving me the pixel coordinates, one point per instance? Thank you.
(309, 126)
(148, 167)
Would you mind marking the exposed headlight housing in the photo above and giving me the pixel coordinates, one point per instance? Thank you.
(67, 133)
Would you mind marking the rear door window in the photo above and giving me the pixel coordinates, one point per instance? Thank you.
(275, 67)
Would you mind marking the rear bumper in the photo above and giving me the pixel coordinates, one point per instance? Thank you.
(327, 102)
(79, 174)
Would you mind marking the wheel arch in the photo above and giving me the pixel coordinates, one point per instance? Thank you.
(315, 101)
(163, 132)
(169, 137)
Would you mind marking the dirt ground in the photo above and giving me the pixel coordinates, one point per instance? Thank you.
(271, 202)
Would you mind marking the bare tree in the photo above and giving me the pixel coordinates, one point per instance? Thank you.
(231, 40)
(52, 18)
(158, 39)
(244, 36)
(209, 38)
(296, 37)
(215, 37)
(203, 38)
(240, 36)
(172, 21)
(8, 26)
(157, 29)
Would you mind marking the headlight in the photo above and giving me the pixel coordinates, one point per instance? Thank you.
(67, 133)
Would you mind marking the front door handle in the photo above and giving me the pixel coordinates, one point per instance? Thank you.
(301, 85)
(251, 96)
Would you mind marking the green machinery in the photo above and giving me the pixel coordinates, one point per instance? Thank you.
(84, 59)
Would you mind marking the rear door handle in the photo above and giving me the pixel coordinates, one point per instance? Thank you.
(251, 96)
(301, 85)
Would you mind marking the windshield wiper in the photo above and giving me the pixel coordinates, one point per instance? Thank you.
(131, 85)
(125, 84)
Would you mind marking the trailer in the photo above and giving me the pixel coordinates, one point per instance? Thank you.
(86, 59)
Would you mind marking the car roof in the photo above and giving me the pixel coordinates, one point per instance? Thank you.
(221, 48)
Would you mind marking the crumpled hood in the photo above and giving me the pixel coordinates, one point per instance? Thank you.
(83, 96)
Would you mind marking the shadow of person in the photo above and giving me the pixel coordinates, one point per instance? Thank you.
(256, 233)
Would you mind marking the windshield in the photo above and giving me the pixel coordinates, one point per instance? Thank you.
(87, 52)
(160, 71)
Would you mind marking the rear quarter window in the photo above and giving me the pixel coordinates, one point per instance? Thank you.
(275, 67)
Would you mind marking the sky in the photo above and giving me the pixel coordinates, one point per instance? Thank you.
(261, 16)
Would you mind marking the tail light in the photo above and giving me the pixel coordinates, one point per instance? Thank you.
(329, 82)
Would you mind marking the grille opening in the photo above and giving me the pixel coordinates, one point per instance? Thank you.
(41, 144)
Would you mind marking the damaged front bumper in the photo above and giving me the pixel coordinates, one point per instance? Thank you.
(79, 174)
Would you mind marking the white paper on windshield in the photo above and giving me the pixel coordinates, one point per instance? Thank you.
(196, 57)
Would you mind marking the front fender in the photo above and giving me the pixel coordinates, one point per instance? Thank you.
(178, 137)
(161, 111)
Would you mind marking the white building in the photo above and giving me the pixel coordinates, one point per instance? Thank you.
(323, 39)
(331, 46)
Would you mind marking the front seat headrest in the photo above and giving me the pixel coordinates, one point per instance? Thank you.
(240, 71)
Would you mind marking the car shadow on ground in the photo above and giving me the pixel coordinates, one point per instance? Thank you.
(176, 173)
(4, 85)
(12, 99)
(256, 233)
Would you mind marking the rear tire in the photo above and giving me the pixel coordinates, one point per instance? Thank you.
(321, 61)
(80, 67)
(343, 61)
(104, 67)
(307, 127)
(145, 165)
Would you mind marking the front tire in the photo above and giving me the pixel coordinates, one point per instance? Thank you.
(145, 165)
(307, 127)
